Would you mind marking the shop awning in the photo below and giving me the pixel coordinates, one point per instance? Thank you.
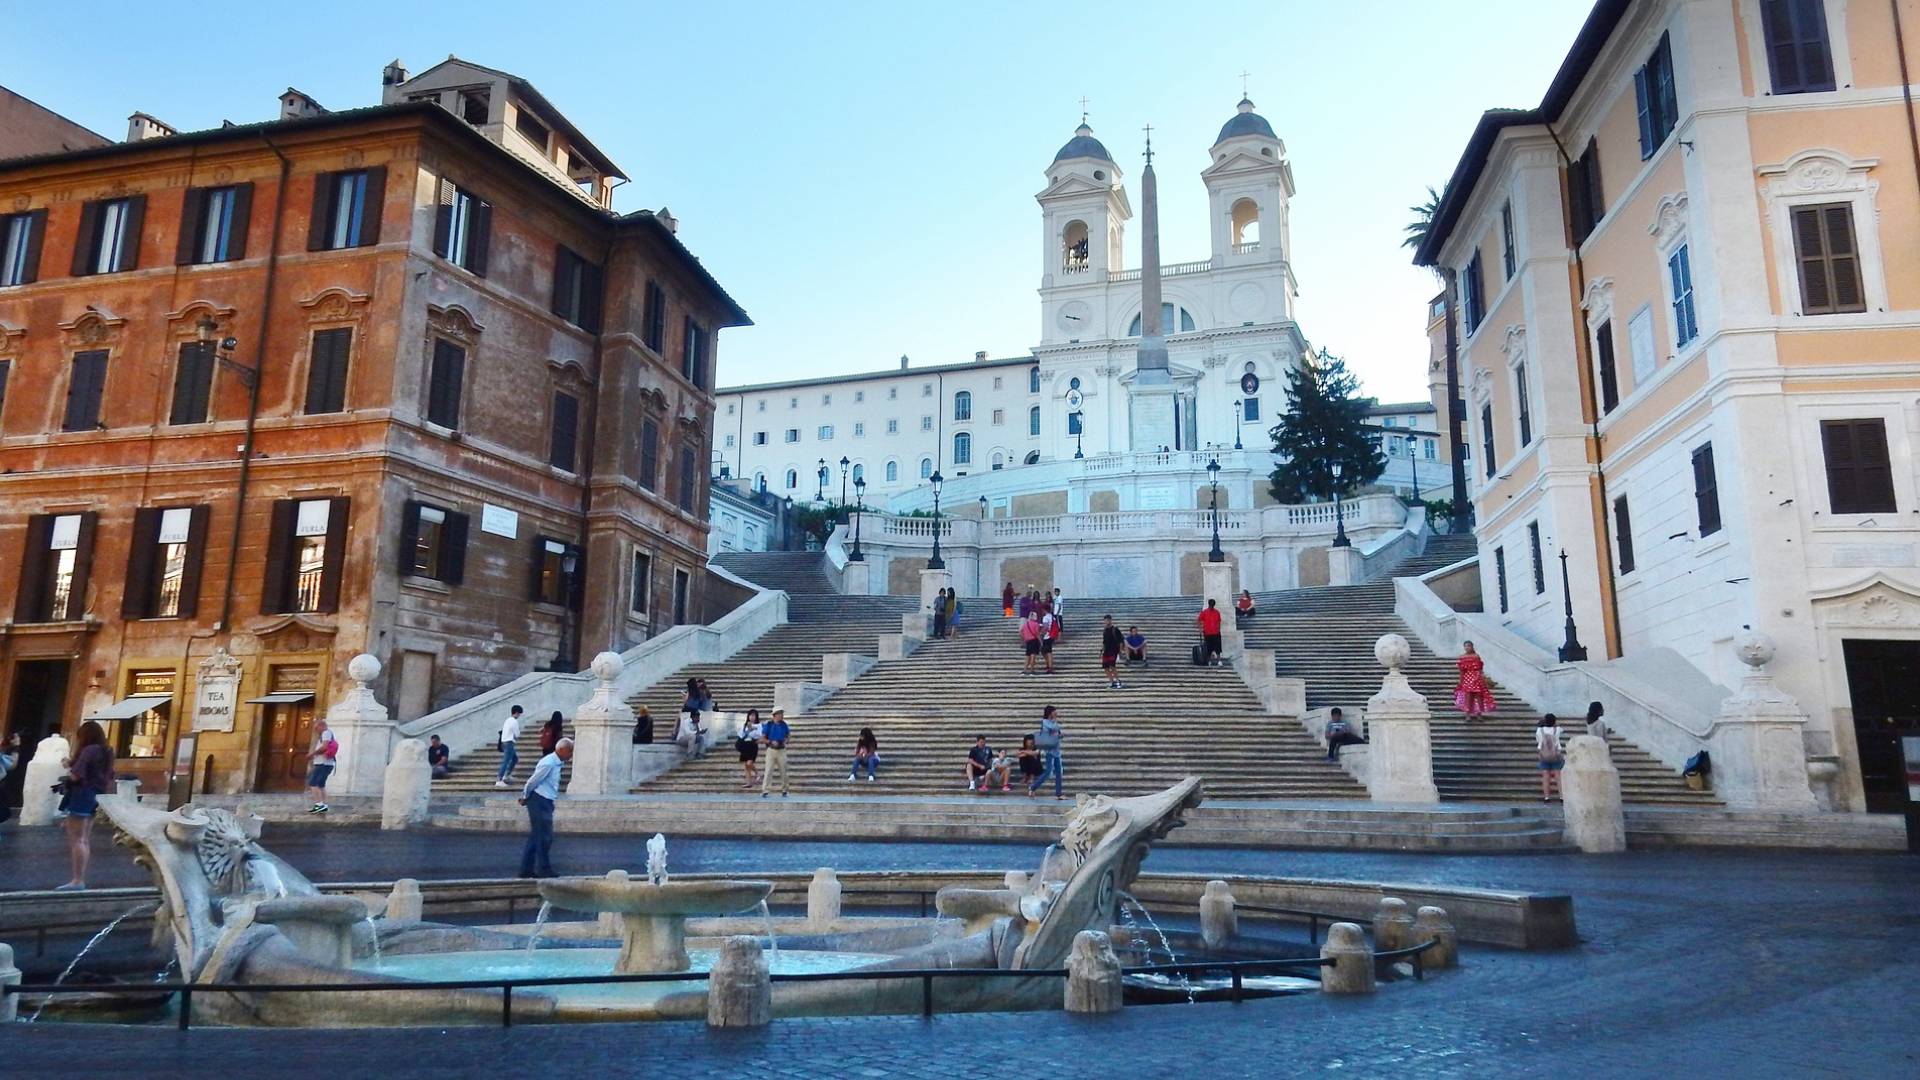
(129, 707)
(291, 697)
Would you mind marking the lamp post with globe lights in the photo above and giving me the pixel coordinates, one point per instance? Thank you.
(859, 504)
(1213, 479)
(936, 562)
(1339, 511)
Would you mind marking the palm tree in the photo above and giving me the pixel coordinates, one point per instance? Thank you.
(1422, 223)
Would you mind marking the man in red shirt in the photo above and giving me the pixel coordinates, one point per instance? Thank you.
(1209, 621)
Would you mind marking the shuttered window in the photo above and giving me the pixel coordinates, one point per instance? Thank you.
(1680, 281)
(1829, 260)
(558, 572)
(213, 224)
(1609, 370)
(1654, 98)
(562, 439)
(1475, 301)
(86, 382)
(306, 555)
(1500, 576)
(54, 567)
(108, 240)
(327, 370)
(1539, 563)
(693, 355)
(689, 481)
(1506, 240)
(462, 227)
(1859, 471)
(642, 582)
(6, 369)
(1706, 490)
(1623, 533)
(1523, 401)
(649, 454)
(433, 542)
(346, 209)
(164, 562)
(576, 290)
(192, 383)
(1486, 436)
(20, 238)
(1798, 53)
(443, 383)
(1585, 198)
(653, 330)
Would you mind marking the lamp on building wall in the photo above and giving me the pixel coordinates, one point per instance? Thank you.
(820, 494)
(1339, 512)
(1213, 478)
(936, 563)
(1570, 649)
(1079, 432)
(859, 504)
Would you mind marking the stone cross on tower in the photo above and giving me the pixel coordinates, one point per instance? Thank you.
(1150, 402)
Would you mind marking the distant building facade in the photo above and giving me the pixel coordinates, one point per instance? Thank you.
(27, 127)
(477, 402)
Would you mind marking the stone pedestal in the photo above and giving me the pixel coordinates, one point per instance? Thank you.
(127, 788)
(915, 628)
(1400, 767)
(1016, 880)
(898, 646)
(603, 735)
(1352, 969)
(1216, 584)
(1345, 566)
(1233, 643)
(9, 976)
(407, 787)
(740, 987)
(840, 668)
(365, 733)
(796, 696)
(1759, 751)
(38, 803)
(1150, 413)
(1590, 797)
(1218, 923)
(1392, 925)
(854, 581)
(607, 923)
(652, 943)
(403, 904)
(823, 899)
(1432, 924)
(320, 927)
(931, 582)
(1093, 975)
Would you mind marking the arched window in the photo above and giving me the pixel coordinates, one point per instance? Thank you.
(1033, 457)
(793, 479)
(999, 461)
(1073, 247)
(859, 473)
(1033, 380)
(1033, 420)
(760, 481)
(926, 467)
(1246, 226)
(1173, 320)
(893, 472)
(963, 405)
(962, 449)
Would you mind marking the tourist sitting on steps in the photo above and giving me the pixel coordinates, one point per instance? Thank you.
(692, 737)
(437, 756)
(1032, 763)
(1136, 647)
(1339, 734)
(1243, 609)
(866, 755)
(981, 765)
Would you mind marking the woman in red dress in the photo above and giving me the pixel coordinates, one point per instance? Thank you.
(1472, 696)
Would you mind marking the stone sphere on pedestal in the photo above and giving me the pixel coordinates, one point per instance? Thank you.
(363, 669)
(1392, 651)
(607, 666)
(1754, 648)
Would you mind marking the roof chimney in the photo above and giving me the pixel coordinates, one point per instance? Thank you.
(141, 127)
(979, 355)
(903, 361)
(393, 74)
(666, 218)
(295, 105)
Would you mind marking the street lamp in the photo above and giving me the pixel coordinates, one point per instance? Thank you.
(843, 483)
(1239, 419)
(859, 504)
(936, 563)
(1213, 478)
(1079, 430)
(1570, 649)
(1339, 512)
(820, 494)
(1413, 454)
(786, 523)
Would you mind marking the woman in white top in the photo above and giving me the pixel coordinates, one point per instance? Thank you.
(1547, 745)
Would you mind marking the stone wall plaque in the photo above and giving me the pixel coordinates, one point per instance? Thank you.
(1873, 555)
(216, 692)
(499, 521)
(1158, 497)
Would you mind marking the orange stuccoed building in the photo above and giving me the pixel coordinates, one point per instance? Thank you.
(392, 380)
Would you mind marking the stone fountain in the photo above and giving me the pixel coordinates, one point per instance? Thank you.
(652, 918)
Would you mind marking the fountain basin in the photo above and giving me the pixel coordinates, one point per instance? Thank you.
(652, 919)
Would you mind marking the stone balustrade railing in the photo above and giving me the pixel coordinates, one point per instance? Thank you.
(1369, 512)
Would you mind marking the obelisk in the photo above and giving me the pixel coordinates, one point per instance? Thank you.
(1150, 411)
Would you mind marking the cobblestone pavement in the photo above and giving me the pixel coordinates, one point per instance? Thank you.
(1705, 964)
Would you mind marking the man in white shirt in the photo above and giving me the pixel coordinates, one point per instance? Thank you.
(538, 796)
(1059, 610)
(509, 749)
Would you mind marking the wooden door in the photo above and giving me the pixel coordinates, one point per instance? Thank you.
(286, 735)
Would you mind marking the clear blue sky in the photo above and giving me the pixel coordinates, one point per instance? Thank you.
(861, 176)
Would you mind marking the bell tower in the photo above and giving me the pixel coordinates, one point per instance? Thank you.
(1084, 213)
(1249, 183)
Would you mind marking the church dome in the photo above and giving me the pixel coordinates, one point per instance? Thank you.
(1084, 145)
(1246, 122)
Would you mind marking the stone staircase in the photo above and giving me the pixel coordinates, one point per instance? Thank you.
(795, 572)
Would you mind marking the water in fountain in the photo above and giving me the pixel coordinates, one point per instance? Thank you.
(773, 947)
(539, 924)
(1126, 901)
(172, 962)
(82, 954)
(373, 935)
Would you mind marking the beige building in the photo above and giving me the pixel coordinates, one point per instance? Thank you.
(1688, 303)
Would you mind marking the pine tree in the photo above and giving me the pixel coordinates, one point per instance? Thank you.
(1326, 421)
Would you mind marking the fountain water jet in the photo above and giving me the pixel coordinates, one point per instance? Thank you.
(82, 954)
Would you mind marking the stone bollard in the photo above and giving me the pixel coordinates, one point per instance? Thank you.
(1590, 797)
(608, 924)
(9, 976)
(1432, 924)
(1392, 925)
(1218, 923)
(406, 787)
(38, 803)
(740, 987)
(1352, 969)
(1093, 975)
(403, 904)
(127, 787)
(823, 899)
(1017, 880)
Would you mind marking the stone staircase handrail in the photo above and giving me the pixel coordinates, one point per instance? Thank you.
(475, 722)
(1382, 554)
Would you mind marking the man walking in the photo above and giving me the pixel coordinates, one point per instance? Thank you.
(1209, 621)
(1111, 641)
(538, 796)
(776, 732)
(321, 760)
(1059, 612)
(509, 746)
(1047, 739)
